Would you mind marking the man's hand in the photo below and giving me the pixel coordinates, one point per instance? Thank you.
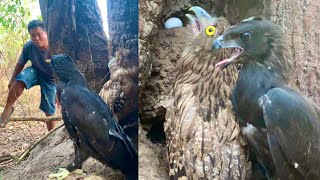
(16, 71)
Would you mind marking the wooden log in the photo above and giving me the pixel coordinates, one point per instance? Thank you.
(5, 158)
(31, 118)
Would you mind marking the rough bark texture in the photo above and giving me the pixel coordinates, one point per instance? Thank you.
(123, 25)
(160, 49)
(75, 28)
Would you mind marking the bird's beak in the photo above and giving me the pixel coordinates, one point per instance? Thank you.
(217, 43)
(201, 14)
(48, 61)
(192, 19)
(220, 43)
(194, 23)
(111, 61)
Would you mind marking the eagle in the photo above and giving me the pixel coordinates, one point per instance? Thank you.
(121, 91)
(281, 125)
(202, 135)
(90, 122)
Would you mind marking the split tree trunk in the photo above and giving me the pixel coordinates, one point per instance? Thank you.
(75, 28)
(123, 25)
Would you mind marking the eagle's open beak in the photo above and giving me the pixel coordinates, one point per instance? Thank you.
(220, 43)
(48, 61)
(194, 23)
(111, 61)
(199, 12)
(202, 16)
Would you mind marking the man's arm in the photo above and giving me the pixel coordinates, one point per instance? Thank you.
(16, 71)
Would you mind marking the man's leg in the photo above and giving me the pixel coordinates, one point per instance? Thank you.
(15, 91)
(48, 101)
(50, 124)
(26, 79)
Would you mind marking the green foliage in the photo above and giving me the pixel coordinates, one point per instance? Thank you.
(14, 16)
(11, 12)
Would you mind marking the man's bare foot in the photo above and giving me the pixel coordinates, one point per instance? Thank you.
(5, 116)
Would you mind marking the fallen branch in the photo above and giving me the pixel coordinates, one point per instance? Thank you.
(32, 146)
(5, 158)
(43, 119)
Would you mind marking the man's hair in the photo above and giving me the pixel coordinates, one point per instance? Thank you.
(34, 24)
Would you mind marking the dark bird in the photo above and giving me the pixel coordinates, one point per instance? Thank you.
(203, 137)
(121, 91)
(282, 125)
(90, 123)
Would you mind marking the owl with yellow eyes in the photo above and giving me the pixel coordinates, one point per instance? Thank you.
(203, 136)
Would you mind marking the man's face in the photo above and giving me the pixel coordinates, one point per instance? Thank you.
(39, 37)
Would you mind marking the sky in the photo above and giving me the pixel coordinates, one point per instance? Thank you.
(103, 9)
(102, 6)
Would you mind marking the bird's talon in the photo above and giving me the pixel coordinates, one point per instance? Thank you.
(62, 174)
(80, 172)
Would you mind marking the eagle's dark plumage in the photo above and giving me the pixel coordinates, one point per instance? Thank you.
(203, 137)
(90, 123)
(282, 125)
(121, 91)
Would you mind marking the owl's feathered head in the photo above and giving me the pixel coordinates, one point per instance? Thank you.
(125, 58)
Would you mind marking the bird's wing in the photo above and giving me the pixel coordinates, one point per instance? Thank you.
(293, 128)
(114, 95)
(90, 116)
(117, 130)
(121, 94)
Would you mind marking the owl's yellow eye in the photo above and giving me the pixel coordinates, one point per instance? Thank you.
(210, 30)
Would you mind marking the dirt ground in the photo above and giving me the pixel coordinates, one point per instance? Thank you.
(54, 152)
(152, 159)
(18, 136)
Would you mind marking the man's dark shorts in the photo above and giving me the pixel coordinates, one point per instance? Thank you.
(48, 90)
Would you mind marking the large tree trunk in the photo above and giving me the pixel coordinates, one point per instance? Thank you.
(123, 25)
(75, 28)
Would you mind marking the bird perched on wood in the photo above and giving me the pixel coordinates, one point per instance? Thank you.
(121, 91)
(282, 125)
(90, 123)
(203, 137)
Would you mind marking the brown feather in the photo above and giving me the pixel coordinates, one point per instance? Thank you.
(203, 137)
(121, 91)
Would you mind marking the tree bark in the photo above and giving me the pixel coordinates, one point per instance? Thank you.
(75, 28)
(123, 25)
